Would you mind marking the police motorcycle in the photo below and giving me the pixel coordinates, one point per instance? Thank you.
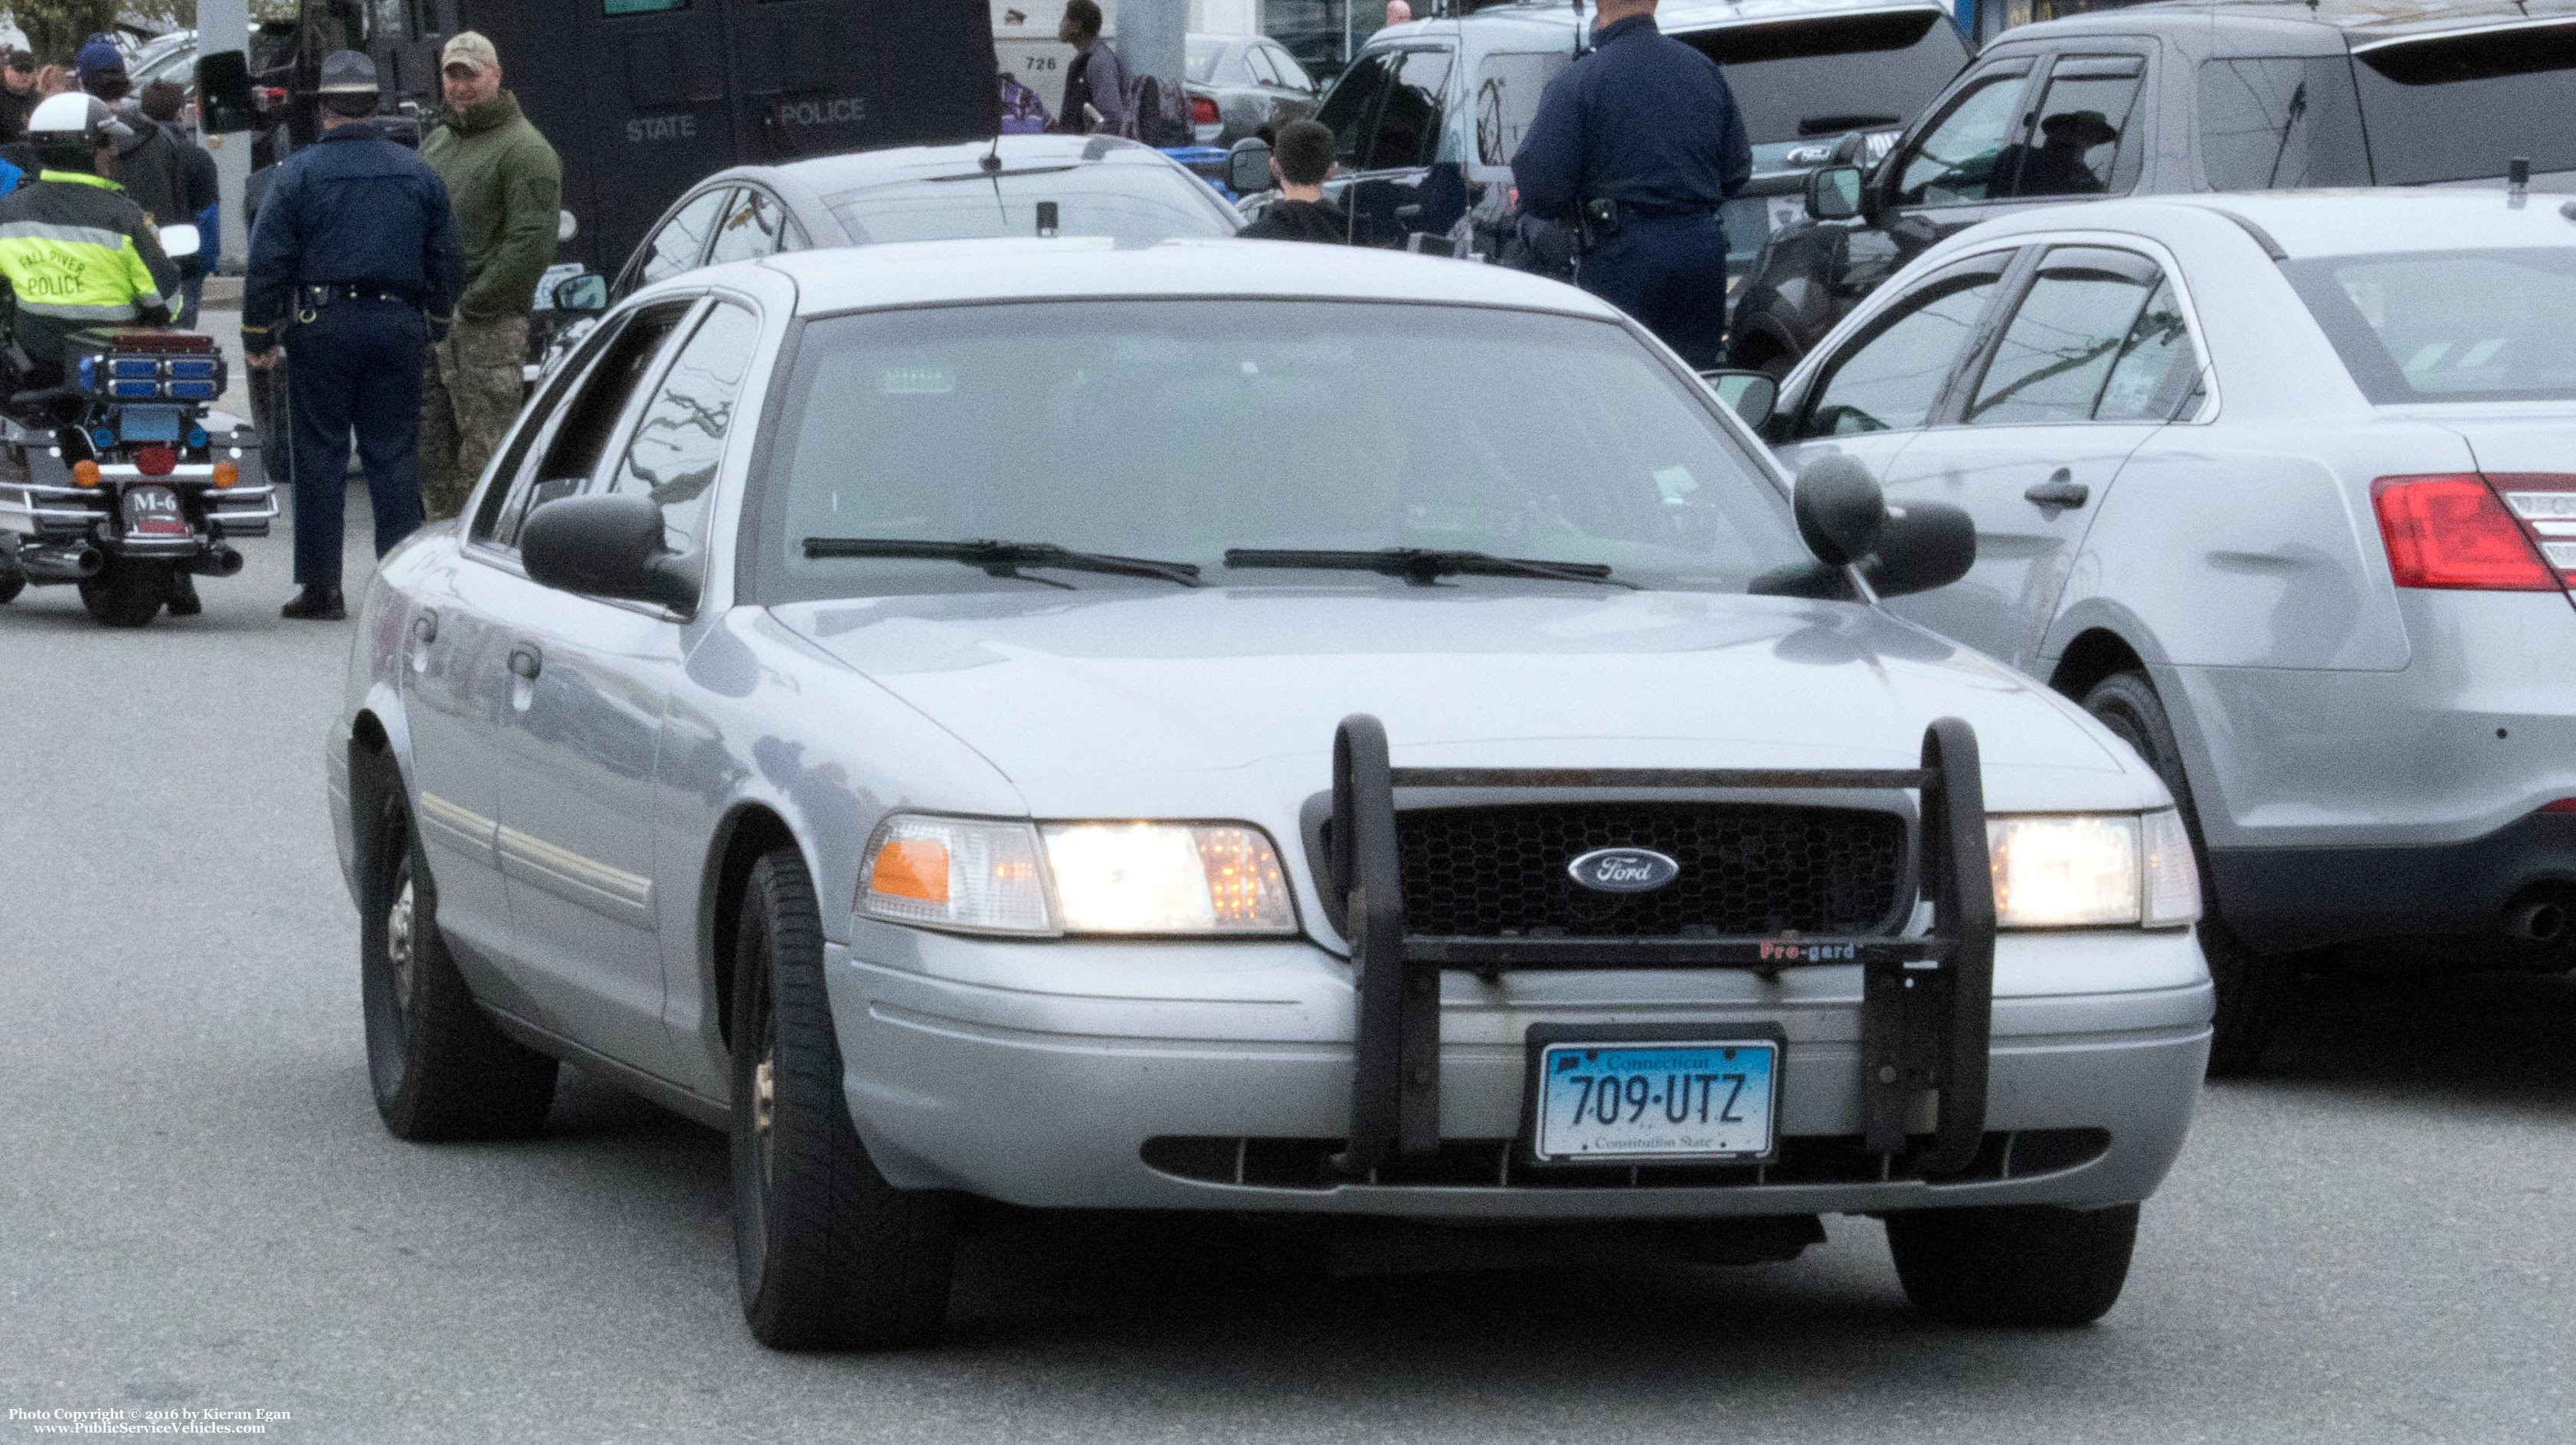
(121, 478)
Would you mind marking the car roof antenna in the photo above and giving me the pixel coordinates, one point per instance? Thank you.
(992, 160)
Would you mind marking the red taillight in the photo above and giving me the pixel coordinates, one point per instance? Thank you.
(2454, 532)
(155, 461)
(2563, 805)
(1202, 110)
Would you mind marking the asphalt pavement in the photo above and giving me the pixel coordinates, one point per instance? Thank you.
(2374, 1241)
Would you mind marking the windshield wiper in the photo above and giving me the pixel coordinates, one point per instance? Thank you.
(1005, 559)
(1422, 566)
(1837, 124)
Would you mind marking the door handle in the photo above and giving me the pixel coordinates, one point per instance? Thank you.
(525, 662)
(2058, 493)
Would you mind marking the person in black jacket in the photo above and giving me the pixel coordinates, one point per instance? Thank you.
(1302, 160)
(193, 194)
(18, 95)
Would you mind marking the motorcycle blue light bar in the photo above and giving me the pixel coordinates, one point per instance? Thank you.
(193, 390)
(129, 390)
(193, 368)
(127, 366)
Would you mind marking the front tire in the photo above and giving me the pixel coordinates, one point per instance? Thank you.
(439, 1068)
(125, 594)
(2253, 989)
(2028, 1267)
(830, 1255)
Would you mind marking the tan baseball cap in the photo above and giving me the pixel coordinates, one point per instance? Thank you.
(469, 49)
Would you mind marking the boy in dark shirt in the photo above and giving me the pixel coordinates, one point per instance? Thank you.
(1302, 159)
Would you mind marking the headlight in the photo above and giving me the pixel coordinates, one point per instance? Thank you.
(989, 876)
(2093, 870)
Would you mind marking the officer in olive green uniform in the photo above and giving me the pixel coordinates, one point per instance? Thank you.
(506, 186)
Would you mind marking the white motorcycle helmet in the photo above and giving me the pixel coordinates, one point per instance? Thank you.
(71, 129)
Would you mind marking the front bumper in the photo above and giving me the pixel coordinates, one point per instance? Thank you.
(1039, 1074)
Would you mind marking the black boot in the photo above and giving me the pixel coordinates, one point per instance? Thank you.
(181, 596)
(317, 604)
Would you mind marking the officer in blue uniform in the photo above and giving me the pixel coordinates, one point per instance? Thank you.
(1636, 145)
(355, 265)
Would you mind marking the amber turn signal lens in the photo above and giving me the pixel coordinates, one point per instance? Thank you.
(915, 868)
(226, 473)
(84, 474)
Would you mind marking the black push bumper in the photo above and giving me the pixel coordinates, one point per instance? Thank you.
(1926, 1005)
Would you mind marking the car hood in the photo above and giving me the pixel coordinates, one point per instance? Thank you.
(1121, 694)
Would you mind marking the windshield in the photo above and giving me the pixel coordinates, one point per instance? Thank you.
(2461, 107)
(1179, 429)
(2449, 325)
(1835, 73)
(1133, 204)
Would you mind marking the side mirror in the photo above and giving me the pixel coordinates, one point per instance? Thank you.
(1247, 167)
(1749, 394)
(1923, 545)
(582, 295)
(1833, 193)
(1840, 510)
(606, 545)
(224, 103)
(180, 242)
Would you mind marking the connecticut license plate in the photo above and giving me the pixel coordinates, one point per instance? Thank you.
(1626, 1102)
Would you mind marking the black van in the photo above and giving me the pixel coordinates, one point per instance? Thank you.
(642, 98)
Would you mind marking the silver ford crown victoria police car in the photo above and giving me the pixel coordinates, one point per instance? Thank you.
(1233, 727)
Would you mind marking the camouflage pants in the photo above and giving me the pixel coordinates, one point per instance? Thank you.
(468, 397)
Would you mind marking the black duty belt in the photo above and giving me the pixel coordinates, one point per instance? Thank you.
(315, 295)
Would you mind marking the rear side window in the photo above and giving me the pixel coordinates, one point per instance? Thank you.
(1894, 375)
(2279, 123)
(1290, 72)
(2494, 325)
(676, 247)
(1508, 87)
(755, 225)
(2453, 108)
(1828, 74)
(2075, 150)
(2081, 346)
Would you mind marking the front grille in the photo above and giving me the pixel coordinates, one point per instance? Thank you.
(1746, 870)
(1498, 1164)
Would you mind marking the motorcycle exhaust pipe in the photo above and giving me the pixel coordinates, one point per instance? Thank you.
(218, 561)
(2540, 915)
(64, 563)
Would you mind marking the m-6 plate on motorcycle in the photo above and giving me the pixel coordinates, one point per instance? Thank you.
(113, 482)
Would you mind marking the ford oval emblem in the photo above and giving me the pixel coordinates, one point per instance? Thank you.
(1623, 870)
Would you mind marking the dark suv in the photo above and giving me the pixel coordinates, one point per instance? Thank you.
(2177, 97)
(1427, 117)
